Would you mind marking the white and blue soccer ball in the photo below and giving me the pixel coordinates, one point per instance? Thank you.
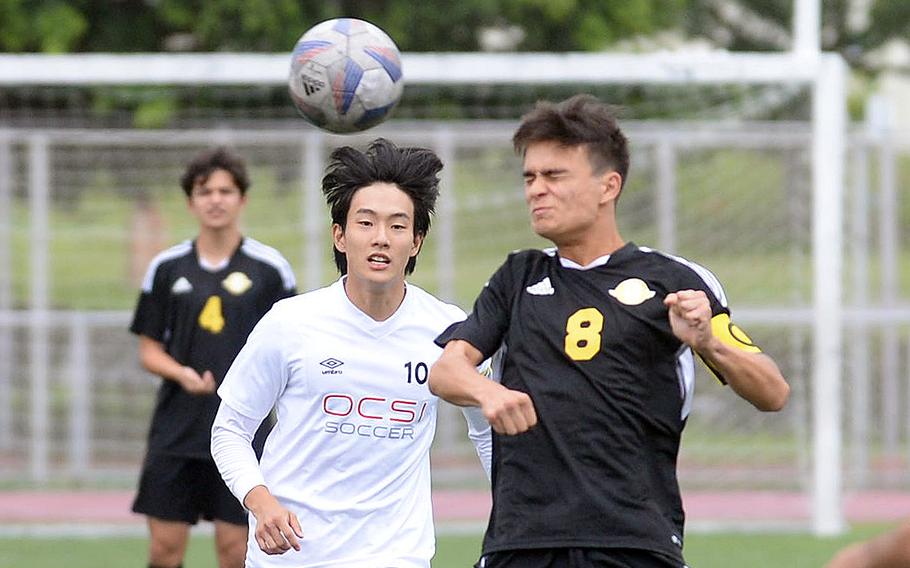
(345, 75)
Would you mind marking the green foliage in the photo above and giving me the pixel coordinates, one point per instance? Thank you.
(59, 27)
(430, 25)
(891, 18)
(14, 26)
(591, 24)
(156, 112)
(241, 25)
(48, 27)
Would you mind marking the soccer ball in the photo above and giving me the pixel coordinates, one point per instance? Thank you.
(345, 75)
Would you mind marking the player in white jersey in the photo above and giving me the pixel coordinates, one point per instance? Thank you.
(344, 479)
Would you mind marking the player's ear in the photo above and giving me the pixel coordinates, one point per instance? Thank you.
(418, 242)
(612, 184)
(338, 238)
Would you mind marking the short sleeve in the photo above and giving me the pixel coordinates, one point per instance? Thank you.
(150, 317)
(487, 324)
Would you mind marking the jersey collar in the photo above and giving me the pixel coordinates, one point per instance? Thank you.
(599, 261)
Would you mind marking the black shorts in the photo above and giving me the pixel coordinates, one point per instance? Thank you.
(174, 488)
(577, 558)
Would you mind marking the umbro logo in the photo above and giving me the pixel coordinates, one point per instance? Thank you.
(542, 288)
(181, 286)
(331, 366)
(311, 85)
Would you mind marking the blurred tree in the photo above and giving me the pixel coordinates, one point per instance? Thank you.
(431, 25)
(47, 27)
(766, 25)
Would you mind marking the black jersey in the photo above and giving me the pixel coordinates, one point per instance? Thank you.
(611, 385)
(203, 318)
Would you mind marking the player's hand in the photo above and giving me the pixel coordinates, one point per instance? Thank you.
(851, 556)
(508, 411)
(277, 529)
(194, 383)
(690, 317)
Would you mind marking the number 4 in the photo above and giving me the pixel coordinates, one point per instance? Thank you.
(211, 317)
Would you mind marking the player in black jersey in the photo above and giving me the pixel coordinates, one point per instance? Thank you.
(199, 301)
(598, 337)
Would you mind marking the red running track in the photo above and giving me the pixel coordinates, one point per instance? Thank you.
(113, 507)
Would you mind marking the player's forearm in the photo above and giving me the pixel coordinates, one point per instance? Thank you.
(232, 450)
(455, 379)
(157, 361)
(753, 376)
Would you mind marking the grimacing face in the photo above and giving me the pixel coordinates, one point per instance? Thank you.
(378, 237)
(562, 191)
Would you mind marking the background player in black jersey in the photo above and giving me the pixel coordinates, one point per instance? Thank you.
(596, 379)
(199, 301)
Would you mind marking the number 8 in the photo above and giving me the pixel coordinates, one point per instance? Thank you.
(583, 334)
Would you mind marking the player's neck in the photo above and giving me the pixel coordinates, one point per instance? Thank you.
(378, 302)
(587, 248)
(214, 246)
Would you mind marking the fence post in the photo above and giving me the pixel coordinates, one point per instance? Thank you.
(6, 290)
(312, 210)
(666, 196)
(445, 216)
(858, 348)
(829, 125)
(888, 237)
(80, 402)
(39, 244)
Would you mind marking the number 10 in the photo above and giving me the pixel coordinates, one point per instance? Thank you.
(419, 373)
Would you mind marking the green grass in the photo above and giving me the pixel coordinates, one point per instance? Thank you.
(716, 550)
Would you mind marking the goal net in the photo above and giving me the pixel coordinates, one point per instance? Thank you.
(723, 154)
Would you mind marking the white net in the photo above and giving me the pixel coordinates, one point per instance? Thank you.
(720, 175)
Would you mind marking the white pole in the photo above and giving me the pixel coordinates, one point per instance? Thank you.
(807, 26)
(80, 414)
(6, 290)
(889, 254)
(858, 352)
(829, 119)
(666, 196)
(312, 211)
(39, 237)
(445, 217)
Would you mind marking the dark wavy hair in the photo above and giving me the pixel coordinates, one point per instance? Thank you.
(413, 170)
(204, 163)
(579, 120)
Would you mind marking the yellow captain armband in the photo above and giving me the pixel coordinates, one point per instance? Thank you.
(730, 334)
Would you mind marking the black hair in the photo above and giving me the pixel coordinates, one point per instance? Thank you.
(414, 171)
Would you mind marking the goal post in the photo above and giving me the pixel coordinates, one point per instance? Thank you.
(823, 74)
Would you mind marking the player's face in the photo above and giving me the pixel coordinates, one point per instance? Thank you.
(564, 195)
(217, 202)
(378, 238)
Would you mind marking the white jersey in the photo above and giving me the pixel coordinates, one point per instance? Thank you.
(349, 454)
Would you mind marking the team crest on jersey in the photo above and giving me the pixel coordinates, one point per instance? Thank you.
(181, 286)
(237, 283)
(632, 291)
